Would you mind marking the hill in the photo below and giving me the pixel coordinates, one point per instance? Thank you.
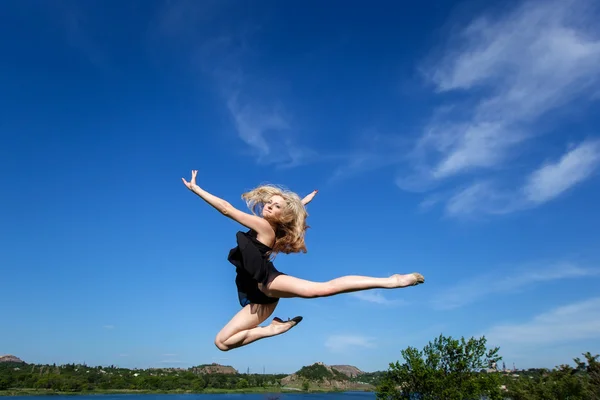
(348, 370)
(214, 368)
(12, 359)
(324, 377)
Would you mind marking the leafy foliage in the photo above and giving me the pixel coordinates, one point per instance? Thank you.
(446, 369)
(561, 383)
(372, 378)
(450, 369)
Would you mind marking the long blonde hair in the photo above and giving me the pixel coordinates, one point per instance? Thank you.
(291, 223)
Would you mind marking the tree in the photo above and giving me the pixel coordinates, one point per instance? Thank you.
(198, 384)
(446, 369)
(305, 385)
(241, 384)
(562, 383)
(592, 370)
(5, 382)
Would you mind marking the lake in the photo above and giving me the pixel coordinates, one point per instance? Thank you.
(225, 396)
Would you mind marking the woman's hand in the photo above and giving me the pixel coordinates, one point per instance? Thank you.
(308, 198)
(192, 183)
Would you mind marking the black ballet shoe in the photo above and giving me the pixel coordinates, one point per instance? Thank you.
(295, 319)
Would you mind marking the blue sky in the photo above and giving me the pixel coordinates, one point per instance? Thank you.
(457, 139)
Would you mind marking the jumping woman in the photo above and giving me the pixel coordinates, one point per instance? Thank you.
(277, 225)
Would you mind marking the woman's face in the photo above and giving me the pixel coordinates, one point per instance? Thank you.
(273, 207)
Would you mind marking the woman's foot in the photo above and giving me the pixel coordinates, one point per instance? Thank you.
(401, 281)
(279, 326)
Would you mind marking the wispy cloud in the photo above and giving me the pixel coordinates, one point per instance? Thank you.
(475, 289)
(267, 131)
(577, 321)
(553, 179)
(372, 150)
(223, 53)
(377, 297)
(546, 183)
(343, 343)
(169, 355)
(511, 71)
(108, 327)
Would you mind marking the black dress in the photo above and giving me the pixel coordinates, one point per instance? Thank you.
(252, 267)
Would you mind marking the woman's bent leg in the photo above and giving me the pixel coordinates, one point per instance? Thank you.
(243, 328)
(285, 286)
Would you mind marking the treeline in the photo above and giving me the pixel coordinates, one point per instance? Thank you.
(80, 378)
(451, 369)
(372, 378)
(579, 382)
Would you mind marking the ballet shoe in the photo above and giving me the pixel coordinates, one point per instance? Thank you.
(296, 320)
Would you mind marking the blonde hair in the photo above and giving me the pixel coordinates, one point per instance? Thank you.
(291, 222)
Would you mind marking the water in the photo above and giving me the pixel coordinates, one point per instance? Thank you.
(225, 396)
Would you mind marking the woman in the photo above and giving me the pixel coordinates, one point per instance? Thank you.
(277, 224)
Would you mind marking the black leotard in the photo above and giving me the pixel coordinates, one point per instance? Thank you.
(252, 267)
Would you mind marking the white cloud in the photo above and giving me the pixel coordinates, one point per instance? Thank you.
(342, 343)
(253, 124)
(553, 179)
(375, 296)
(546, 183)
(481, 198)
(169, 355)
(252, 99)
(577, 321)
(266, 130)
(475, 289)
(511, 70)
(108, 327)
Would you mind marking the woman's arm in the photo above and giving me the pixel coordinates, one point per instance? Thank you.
(308, 198)
(258, 224)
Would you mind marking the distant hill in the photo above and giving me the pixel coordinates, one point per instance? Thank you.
(215, 369)
(322, 376)
(348, 370)
(9, 358)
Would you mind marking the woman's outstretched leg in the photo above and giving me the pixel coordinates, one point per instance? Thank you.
(243, 328)
(285, 286)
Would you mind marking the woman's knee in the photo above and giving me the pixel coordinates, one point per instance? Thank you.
(220, 343)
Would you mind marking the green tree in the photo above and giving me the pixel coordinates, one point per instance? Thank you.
(5, 382)
(305, 385)
(198, 384)
(446, 369)
(592, 371)
(241, 384)
(562, 383)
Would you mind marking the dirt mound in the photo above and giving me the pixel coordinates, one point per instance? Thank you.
(9, 358)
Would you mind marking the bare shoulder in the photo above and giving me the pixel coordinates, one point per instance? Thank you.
(251, 221)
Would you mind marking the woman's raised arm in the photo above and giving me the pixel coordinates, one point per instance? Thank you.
(258, 224)
(308, 198)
